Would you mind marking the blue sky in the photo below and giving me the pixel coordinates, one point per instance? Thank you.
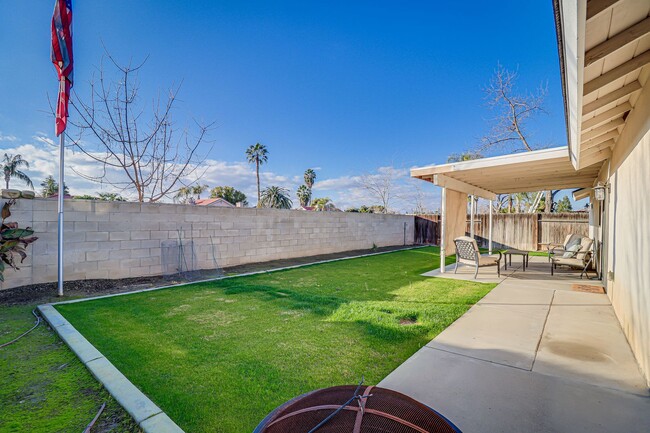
(344, 87)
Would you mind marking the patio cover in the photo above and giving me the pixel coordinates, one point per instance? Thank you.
(487, 177)
(520, 172)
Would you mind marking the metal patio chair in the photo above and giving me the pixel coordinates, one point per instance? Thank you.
(467, 253)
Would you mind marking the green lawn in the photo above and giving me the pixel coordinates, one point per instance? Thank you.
(218, 356)
(44, 387)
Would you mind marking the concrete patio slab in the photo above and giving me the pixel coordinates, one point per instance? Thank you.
(515, 294)
(533, 355)
(539, 266)
(505, 334)
(485, 397)
(465, 273)
(578, 298)
(585, 343)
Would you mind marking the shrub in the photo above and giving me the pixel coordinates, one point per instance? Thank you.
(13, 240)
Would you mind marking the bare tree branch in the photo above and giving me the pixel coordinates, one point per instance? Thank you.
(144, 154)
(513, 111)
(381, 185)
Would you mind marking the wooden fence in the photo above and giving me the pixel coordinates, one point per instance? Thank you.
(427, 230)
(520, 231)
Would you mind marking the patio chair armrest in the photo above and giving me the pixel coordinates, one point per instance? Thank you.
(500, 256)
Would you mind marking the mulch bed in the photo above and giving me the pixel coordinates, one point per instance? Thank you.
(46, 292)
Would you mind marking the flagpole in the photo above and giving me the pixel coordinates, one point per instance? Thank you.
(60, 197)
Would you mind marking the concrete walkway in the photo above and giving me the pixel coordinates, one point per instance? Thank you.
(534, 355)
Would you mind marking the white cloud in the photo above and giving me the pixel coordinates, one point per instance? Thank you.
(337, 183)
(405, 192)
(239, 175)
(345, 191)
(43, 157)
(10, 138)
(42, 138)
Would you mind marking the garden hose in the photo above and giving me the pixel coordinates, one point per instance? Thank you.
(92, 423)
(38, 322)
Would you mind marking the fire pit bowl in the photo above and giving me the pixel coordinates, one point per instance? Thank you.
(354, 409)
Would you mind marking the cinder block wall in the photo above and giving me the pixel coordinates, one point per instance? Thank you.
(120, 239)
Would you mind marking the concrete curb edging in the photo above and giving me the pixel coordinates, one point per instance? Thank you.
(148, 416)
(144, 411)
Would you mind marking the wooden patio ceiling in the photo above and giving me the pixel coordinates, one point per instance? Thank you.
(604, 72)
(520, 172)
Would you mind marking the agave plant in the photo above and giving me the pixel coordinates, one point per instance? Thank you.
(13, 240)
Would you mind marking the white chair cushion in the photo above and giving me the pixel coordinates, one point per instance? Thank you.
(571, 251)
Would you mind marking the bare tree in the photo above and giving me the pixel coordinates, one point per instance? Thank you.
(510, 124)
(513, 111)
(501, 202)
(140, 152)
(420, 207)
(381, 185)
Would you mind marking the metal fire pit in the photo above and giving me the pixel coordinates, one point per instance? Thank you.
(361, 409)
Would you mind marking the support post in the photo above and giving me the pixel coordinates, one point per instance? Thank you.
(443, 222)
(471, 216)
(490, 231)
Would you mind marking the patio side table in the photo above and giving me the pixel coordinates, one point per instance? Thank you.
(524, 255)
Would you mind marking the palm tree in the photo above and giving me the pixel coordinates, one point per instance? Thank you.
(323, 204)
(183, 194)
(304, 195)
(51, 187)
(110, 196)
(275, 197)
(197, 190)
(310, 177)
(11, 165)
(257, 154)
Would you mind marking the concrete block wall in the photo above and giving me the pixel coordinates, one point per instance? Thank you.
(123, 239)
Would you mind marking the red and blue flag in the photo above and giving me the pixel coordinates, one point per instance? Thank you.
(62, 58)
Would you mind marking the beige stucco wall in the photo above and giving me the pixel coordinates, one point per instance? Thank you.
(456, 218)
(628, 230)
(119, 240)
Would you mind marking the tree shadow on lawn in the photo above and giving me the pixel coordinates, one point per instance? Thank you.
(289, 299)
